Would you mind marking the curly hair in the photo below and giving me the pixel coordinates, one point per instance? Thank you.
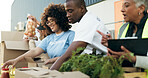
(58, 12)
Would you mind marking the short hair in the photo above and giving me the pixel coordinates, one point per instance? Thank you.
(58, 12)
(141, 2)
(78, 2)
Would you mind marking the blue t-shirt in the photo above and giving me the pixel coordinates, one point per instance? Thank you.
(55, 45)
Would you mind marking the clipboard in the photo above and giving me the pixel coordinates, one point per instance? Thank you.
(136, 46)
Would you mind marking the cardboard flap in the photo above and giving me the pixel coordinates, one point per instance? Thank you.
(17, 45)
(11, 36)
(35, 71)
(24, 69)
(39, 71)
(55, 73)
(42, 73)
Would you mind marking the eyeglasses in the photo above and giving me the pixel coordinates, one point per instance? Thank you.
(50, 21)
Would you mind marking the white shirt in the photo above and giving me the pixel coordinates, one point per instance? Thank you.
(141, 61)
(86, 31)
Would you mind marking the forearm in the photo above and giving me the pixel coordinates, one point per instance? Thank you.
(58, 62)
(62, 59)
(31, 53)
(54, 59)
(67, 54)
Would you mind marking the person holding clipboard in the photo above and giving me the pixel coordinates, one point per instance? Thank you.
(136, 18)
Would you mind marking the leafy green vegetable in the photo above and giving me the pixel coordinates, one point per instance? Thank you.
(94, 65)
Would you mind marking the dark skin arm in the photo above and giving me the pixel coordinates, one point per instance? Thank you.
(68, 53)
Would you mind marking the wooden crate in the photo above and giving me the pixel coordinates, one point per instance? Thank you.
(131, 69)
(135, 75)
(134, 72)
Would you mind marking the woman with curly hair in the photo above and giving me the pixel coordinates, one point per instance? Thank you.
(55, 44)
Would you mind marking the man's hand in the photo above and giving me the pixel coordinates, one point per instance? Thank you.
(49, 61)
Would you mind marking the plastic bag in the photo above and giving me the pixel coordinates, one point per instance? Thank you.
(30, 28)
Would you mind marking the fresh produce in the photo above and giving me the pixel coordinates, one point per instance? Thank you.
(30, 28)
(96, 66)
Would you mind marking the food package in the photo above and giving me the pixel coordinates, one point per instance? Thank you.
(30, 28)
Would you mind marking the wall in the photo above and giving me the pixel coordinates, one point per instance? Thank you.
(21, 8)
(109, 12)
(105, 11)
(118, 16)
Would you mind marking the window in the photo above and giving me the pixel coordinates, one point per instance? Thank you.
(90, 2)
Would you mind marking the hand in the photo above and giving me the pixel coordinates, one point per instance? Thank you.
(49, 61)
(125, 52)
(12, 62)
(105, 38)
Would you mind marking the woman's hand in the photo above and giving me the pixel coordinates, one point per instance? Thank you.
(49, 61)
(105, 38)
(12, 62)
(126, 53)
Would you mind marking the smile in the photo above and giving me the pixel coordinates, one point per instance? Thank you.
(51, 27)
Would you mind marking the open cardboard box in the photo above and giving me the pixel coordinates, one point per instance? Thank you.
(37, 63)
(36, 72)
(30, 72)
(12, 46)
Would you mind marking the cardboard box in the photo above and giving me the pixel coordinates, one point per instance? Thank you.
(11, 36)
(44, 73)
(75, 74)
(44, 56)
(37, 63)
(30, 72)
(12, 46)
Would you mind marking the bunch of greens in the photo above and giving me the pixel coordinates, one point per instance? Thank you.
(94, 65)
